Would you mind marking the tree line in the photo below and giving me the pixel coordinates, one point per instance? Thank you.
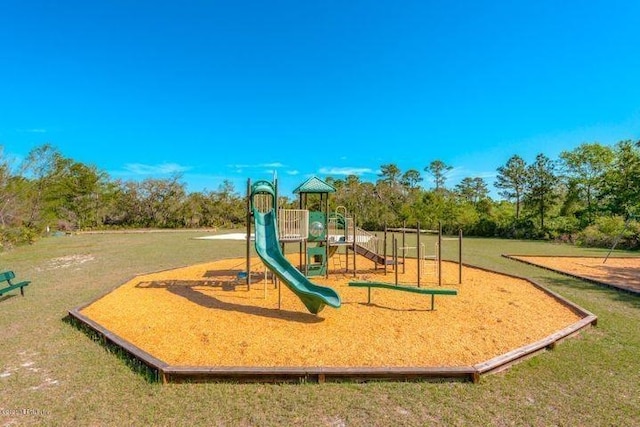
(588, 195)
(48, 192)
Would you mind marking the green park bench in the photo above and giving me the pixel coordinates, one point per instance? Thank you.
(416, 290)
(6, 280)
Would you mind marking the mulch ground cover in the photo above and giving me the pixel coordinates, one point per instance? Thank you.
(623, 273)
(201, 315)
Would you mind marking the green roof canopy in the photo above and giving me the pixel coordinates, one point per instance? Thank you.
(314, 185)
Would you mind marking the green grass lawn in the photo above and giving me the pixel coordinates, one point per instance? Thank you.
(53, 374)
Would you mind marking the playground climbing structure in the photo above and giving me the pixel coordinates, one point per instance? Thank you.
(267, 245)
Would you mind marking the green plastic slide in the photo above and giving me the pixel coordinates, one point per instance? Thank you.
(313, 296)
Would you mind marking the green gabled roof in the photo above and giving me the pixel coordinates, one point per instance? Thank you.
(314, 185)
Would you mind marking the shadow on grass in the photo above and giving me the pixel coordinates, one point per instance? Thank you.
(610, 291)
(150, 374)
(629, 276)
(184, 289)
(620, 282)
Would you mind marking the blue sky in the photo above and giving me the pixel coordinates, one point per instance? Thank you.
(237, 89)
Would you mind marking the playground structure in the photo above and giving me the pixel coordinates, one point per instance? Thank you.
(290, 345)
(320, 234)
(314, 297)
(304, 226)
(421, 253)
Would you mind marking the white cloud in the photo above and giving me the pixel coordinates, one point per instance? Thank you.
(273, 165)
(462, 172)
(487, 175)
(292, 172)
(456, 172)
(345, 171)
(36, 130)
(159, 169)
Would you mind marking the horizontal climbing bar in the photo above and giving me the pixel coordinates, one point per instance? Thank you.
(391, 286)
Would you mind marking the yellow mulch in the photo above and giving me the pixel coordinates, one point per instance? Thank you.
(619, 272)
(197, 316)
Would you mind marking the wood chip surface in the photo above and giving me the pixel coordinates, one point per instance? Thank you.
(618, 272)
(202, 315)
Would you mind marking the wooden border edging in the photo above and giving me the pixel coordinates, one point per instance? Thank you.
(146, 358)
(316, 374)
(168, 373)
(505, 361)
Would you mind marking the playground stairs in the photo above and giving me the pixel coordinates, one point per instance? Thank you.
(366, 245)
(340, 226)
(369, 254)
